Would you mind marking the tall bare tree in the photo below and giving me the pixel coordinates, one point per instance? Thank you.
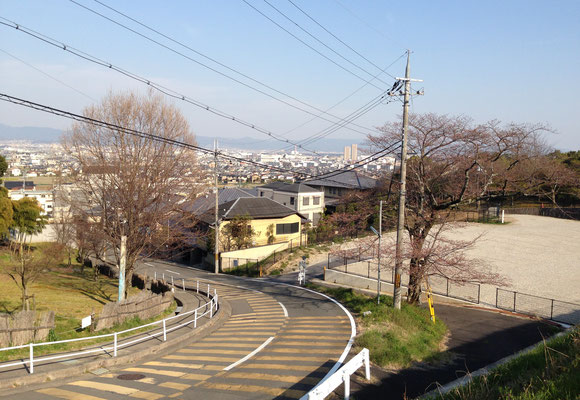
(454, 162)
(130, 185)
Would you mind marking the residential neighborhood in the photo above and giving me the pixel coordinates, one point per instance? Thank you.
(289, 200)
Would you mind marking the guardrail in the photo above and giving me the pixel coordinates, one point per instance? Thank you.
(544, 307)
(341, 376)
(208, 308)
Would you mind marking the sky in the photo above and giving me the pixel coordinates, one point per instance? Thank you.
(514, 61)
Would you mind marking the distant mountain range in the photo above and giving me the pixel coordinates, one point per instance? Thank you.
(50, 135)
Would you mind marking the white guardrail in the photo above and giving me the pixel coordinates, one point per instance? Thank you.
(341, 376)
(199, 312)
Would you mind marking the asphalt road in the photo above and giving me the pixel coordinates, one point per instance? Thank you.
(279, 343)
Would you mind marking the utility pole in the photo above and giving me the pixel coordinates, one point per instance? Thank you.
(217, 226)
(379, 252)
(402, 194)
(122, 263)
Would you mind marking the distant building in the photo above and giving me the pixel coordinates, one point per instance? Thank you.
(347, 156)
(354, 152)
(336, 186)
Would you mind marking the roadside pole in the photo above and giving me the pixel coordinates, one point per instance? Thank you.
(122, 264)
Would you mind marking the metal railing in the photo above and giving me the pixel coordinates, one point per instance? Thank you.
(544, 307)
(341, 376)
(208, 308)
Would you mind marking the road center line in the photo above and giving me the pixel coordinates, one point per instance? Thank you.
(249, 355)
(284, 309)
(173, 272)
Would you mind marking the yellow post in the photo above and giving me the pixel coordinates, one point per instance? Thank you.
(430, 300)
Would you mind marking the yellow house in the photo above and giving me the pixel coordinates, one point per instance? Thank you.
(274, 226)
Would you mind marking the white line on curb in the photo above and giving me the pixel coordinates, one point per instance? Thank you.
(173, 272)
(249, 355)
(284, 309)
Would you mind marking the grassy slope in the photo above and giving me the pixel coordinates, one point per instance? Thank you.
(548, 372)
(395, 339)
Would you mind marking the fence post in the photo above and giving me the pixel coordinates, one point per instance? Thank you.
(197, 287)
(208, 290)
(211, 309)
(515, 300)
(172, 285)
(183, 283)
(552, 310)
(478, 292)
(368, 269)
(155, 275)
(164, 331)
(447, 287)
(496, 296)
(346, 379)
(328, 261)
(115, 345)
(163, 276)
(195, 318)
(31, 358)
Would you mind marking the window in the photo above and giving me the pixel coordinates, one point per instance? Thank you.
(291, 201)
(286, 229)
(316, 200)
(306, 201)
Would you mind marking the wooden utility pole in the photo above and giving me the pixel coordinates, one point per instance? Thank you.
(217, 225)
(402, 194)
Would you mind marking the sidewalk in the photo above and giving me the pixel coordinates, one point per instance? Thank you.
(13, 378)
(478, 337)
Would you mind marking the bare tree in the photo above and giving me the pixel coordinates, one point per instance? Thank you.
(454, 162)
(130, 185)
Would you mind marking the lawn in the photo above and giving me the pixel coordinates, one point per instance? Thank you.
(395, 339)
(551, 371)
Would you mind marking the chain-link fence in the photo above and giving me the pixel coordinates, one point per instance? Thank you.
(556, 310)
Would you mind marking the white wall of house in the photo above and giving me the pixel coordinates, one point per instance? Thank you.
(44, 197)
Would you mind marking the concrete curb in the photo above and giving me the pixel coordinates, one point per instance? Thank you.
(464, 380)
(31, 382)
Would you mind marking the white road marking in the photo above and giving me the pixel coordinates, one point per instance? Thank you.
(284, 308)
(173, 272)
(148, 264)
(249, 355)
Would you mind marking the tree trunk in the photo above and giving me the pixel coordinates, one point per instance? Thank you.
(415, 281)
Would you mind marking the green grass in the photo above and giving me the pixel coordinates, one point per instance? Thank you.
(551, 371)
(70, 293)
(394, 338)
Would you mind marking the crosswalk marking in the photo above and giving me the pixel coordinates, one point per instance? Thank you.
(201, 358)
(175, 385)
(294, 358)
(217, 349)
(255, 389)
(195, 377)
(285, 367)
(272, 377)
(174, 365)
(310, 344)
(68, 395)
(155, 371)
(106, 387)
(327, 338)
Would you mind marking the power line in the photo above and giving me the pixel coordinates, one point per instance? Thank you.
(162, 89)
(320, 41)
(337, 38)
(215, 70)
(134, 132)
(309, 46)
(48, 75)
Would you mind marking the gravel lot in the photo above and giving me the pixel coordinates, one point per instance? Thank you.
(538, 255)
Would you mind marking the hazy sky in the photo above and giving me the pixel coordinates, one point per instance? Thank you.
(516, 61)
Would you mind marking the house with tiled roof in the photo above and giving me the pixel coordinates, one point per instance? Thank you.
(303, 198)
(336, 186)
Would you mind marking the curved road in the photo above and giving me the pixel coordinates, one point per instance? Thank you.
(279, 343)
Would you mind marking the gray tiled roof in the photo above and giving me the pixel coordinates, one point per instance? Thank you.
(347, 179)
(202, 204)
(11, 185)
(296, 188)
(254, 207)
(274, 185)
